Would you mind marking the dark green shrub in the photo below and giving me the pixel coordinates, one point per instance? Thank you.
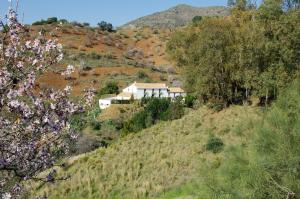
(96, 125)
(214, 145)
(190, 100)
(104, 26)
(109, 88)
(142, 75)
(136, 123)
(52, 20)
(197, 19)
(156, 109)
(176, 110)
(42, 22)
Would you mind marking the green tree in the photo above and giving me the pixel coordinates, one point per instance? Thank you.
(254, 53)
(105, 26)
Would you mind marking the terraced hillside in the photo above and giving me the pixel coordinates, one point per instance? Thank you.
(101, 56)
(149, 163)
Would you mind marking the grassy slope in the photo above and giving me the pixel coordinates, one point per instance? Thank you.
(154, 161)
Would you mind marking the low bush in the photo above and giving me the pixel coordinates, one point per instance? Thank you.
(197, 19)
(190, 100)
(104, 26)
(96, 125)
(142, 75)
(109, 88)
(78, 122)
(50, 20)
(95, 55)
(214, 144)
(176, 110)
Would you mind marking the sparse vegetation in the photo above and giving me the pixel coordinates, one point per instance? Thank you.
(177, 16)
(109, 88)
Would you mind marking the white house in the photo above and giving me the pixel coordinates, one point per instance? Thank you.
(137, 91)
(140, 90)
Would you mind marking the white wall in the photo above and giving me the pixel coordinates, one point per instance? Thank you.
(148, 93)
(164, 93)
(174, 95)
(104, 103)
(130, 89)
(139, 94)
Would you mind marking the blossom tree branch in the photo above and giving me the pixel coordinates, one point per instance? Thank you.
(34, 126)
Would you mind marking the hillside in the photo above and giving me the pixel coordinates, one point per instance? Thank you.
(177, 16)
(101, 56)
(153, 161)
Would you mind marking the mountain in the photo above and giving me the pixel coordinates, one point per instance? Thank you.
(177, 16)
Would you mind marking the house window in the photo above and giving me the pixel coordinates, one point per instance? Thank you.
(144, 92)
(159, 91)
(152, 93)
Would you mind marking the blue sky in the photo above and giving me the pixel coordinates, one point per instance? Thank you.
(117, 12)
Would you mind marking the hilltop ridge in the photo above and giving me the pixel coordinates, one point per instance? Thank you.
(177, 16)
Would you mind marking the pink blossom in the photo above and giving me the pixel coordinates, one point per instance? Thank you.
(70, 69)
(28, 44)
(27, 119)
(34, 62)
(20, 64)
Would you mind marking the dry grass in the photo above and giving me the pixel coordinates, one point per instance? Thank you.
(118, 112)
(145, 165)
